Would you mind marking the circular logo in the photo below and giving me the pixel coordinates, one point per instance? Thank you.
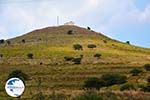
(14, 87)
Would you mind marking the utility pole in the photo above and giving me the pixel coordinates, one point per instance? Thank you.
(57, 20)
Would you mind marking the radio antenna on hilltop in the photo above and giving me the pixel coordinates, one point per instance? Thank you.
(57, 20)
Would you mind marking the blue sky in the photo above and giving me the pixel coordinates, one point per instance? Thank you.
(124, 20)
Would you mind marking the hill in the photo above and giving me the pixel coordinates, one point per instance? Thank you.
(50, 46)
(55, 42)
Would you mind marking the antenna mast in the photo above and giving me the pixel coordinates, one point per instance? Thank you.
(57, 20)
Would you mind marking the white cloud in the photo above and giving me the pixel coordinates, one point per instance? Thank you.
(126, 15)
(103, 15)
(145, 15)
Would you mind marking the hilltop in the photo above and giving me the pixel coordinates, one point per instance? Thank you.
(56, 43)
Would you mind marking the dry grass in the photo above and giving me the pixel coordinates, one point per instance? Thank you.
(51, 45)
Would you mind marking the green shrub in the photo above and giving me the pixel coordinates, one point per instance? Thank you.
(148, 79)
(88, 28)
(67, 58)
(77, 47)
(147, 67)
(23, 41)
(77, 60)
(2, 41)
(136, 72)
(88, 95)
(1, 55)
(18, 74)
(112, 79)
(104, 41)
(97, 55)
(146, 88)
(127, 87)
(70, 32)
(94, 83)
(91, 46)
(30, 56)
(128, 42)
(41, 63)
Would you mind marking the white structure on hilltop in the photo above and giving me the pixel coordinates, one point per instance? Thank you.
(69, 23)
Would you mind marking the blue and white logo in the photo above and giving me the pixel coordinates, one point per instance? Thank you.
(14, 87)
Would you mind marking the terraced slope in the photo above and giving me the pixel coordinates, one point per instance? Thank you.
(50, 45)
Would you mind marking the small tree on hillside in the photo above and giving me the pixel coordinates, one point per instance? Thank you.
(91, 46)
(127, 87)
(77, 47)
(136, 72)
(70, 32)
(147, 67)
(1, 55)
(128, 42)
(77, 60)
(23, 41)
(104, 41)
(18, 74)
(112, 79)
(146, 88)
(68, 58)
(93, 83)
(2, 41)
(88, 28)
(30, 56)
(97, 55)
(148, 79)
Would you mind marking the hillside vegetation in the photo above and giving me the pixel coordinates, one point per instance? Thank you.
(53, 62)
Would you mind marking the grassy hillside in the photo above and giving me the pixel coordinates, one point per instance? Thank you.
(50, 45)
(54, 43)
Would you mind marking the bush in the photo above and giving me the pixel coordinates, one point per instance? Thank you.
(148, 79)
(136, 72)
(2, 41)
(39, 39)
(67, 58)
(128, 42)
(146, 88)
(94, 83)
(18, 74)
(91, 46)
(147, 67)
(77, 60)
(97, 55)
(127, 87)
(41, 63)
(77, 47)
(70, 32)
(112, 79)
(30, 56)
(23, 41)
(88, 28)
(88, 95)
(104, 41)
(1, 55)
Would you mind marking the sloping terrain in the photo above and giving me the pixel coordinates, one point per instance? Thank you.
(55, 42)
(50, 45)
